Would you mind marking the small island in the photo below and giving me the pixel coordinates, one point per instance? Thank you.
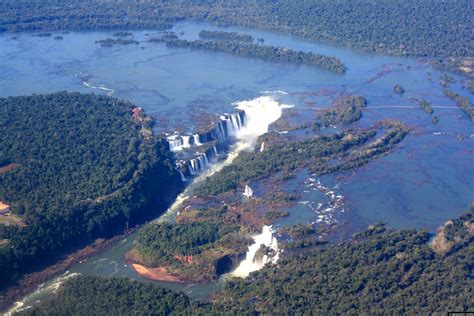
(109, 42)
(462, 102)
(268, 53)
(225, 36)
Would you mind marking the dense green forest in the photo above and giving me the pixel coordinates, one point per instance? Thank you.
(114, 296)
(85, 166)
(379, 270)
(158, 243)
(270, 53)
(225, 36)
(398, 27)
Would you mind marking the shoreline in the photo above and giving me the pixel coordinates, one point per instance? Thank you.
(31, 281)
(153, 274)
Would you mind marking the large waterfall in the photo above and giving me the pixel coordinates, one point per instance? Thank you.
(262, 251)
(242, 128)
(259, 114)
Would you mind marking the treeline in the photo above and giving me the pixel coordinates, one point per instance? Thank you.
(269, 53)
(379, 271)
(86, 169)
(400, 27)
(225, 36)
(462, 102)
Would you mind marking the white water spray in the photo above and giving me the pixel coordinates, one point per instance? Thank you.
(254, 259)
(248, 192)
(259, 114)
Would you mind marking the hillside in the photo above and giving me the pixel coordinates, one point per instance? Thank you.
(84, 166)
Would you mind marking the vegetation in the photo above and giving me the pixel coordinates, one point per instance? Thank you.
(225, 36)
(270, 53)
(426, 107)
(109, 42)
(113, 296)
(399, 27)
(398, 89)
(462, 65)
(157, 243)
(344, 110)
(275, 214)
(462, 102)
(378, 271)
(319, 154)
(87, 167)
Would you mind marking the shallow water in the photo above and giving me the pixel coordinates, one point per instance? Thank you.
(427, 179)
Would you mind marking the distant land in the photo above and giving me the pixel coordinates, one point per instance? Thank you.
(406, 28)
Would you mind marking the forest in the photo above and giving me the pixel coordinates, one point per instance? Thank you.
(86, 167)
(378, 270)
(269, 53)
(158, 243)
(225, 36)
(400, 27)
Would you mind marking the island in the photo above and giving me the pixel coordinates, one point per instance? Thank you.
(269, 53)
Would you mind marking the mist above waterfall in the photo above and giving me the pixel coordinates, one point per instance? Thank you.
(253, 260)
(259, 114)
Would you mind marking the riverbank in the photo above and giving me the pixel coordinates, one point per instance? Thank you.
(31, 281)
(156, 274)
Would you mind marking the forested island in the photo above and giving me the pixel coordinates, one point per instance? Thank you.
(73, 168)
(225, 36)
(378, 270)
(462, 102)
(269, 53)
(109, 42)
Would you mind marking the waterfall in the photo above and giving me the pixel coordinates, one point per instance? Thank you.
(228, 126)
(259, 114)
(255, 259)
(248, 192)
(196, 139)
(244, 126)
(262, 147)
